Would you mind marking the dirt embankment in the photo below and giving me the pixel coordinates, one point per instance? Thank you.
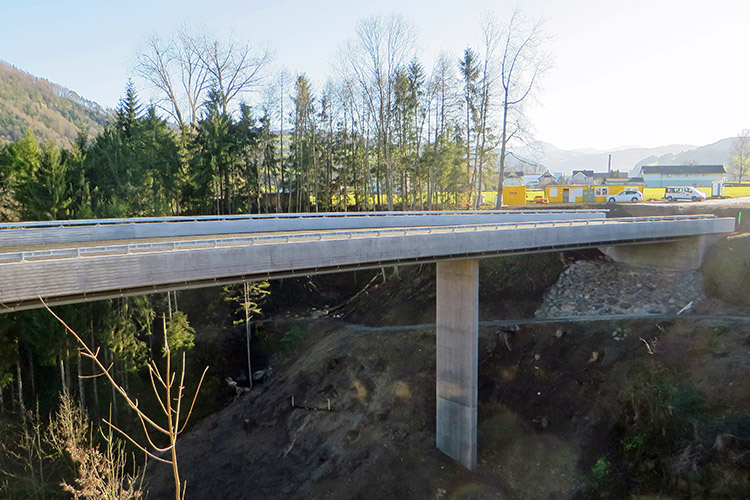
(553, 401)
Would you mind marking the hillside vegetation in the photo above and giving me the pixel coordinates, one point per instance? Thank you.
(50, 111)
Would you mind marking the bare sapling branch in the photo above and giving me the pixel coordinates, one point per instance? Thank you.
(167, 394)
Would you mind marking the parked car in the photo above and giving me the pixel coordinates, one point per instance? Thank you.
(627, 195)
(675, 193)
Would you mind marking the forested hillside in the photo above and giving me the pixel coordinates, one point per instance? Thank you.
(50, 111)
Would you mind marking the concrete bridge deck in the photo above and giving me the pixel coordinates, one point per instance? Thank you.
(85, 261)
(89, 230)
(74, 273)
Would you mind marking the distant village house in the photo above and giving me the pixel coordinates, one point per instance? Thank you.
(546, 179)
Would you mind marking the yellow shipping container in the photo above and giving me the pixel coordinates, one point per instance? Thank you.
(514, 195)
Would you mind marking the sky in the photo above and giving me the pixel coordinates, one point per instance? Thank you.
(642, 72)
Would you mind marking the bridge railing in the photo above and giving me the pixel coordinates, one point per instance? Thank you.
(284, 216)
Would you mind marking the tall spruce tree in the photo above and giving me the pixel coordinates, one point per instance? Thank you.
(469, 66)
(128, 110)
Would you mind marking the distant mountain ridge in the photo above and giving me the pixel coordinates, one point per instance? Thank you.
(50, 111)
(626, 159)
(718, 153)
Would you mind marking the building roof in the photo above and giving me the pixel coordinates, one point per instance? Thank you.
(587, 173)
(682, 169)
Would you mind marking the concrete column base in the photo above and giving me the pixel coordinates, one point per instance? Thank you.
(457, 359)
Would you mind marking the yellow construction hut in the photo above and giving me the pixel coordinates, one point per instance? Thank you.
(586, 194)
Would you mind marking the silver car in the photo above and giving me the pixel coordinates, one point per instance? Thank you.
(624, 196)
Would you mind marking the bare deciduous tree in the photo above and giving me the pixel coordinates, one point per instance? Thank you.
(491, 35)
(740, 163)
(233, 67)
(382, 46)
(522, 63)
(173, 68)
(183, 68)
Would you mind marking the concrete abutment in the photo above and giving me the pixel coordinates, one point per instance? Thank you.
(684, 254)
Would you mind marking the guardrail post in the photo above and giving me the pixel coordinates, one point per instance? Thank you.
(457, 355)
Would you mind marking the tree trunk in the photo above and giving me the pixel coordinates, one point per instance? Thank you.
(113, 403)
(81, 391)
(247, 335)
(31, 374)
(503, 139)
(21, 405)
(94, 380)
(68, 379)
(61, 362)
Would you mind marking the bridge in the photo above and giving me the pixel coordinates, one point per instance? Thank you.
(75, 261)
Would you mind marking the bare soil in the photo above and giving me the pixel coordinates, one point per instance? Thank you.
(549, 400)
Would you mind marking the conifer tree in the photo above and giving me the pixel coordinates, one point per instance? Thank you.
(43, 192)
(470, 73)
(128, 110)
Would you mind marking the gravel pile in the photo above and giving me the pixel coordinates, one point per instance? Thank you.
(599, 287)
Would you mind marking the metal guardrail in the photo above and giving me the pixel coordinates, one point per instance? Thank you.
(284, 216)
(80, 252)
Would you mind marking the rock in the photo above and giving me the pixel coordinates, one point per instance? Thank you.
(601, 287)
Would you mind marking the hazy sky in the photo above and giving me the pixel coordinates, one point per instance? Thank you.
(641, 72)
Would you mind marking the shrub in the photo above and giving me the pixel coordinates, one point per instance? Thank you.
(292, 336)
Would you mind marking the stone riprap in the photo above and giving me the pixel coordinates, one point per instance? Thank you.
(602, 287)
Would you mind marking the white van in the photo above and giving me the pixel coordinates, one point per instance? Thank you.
(674, 193)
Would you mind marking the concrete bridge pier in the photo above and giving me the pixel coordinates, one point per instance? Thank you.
(457, 355)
